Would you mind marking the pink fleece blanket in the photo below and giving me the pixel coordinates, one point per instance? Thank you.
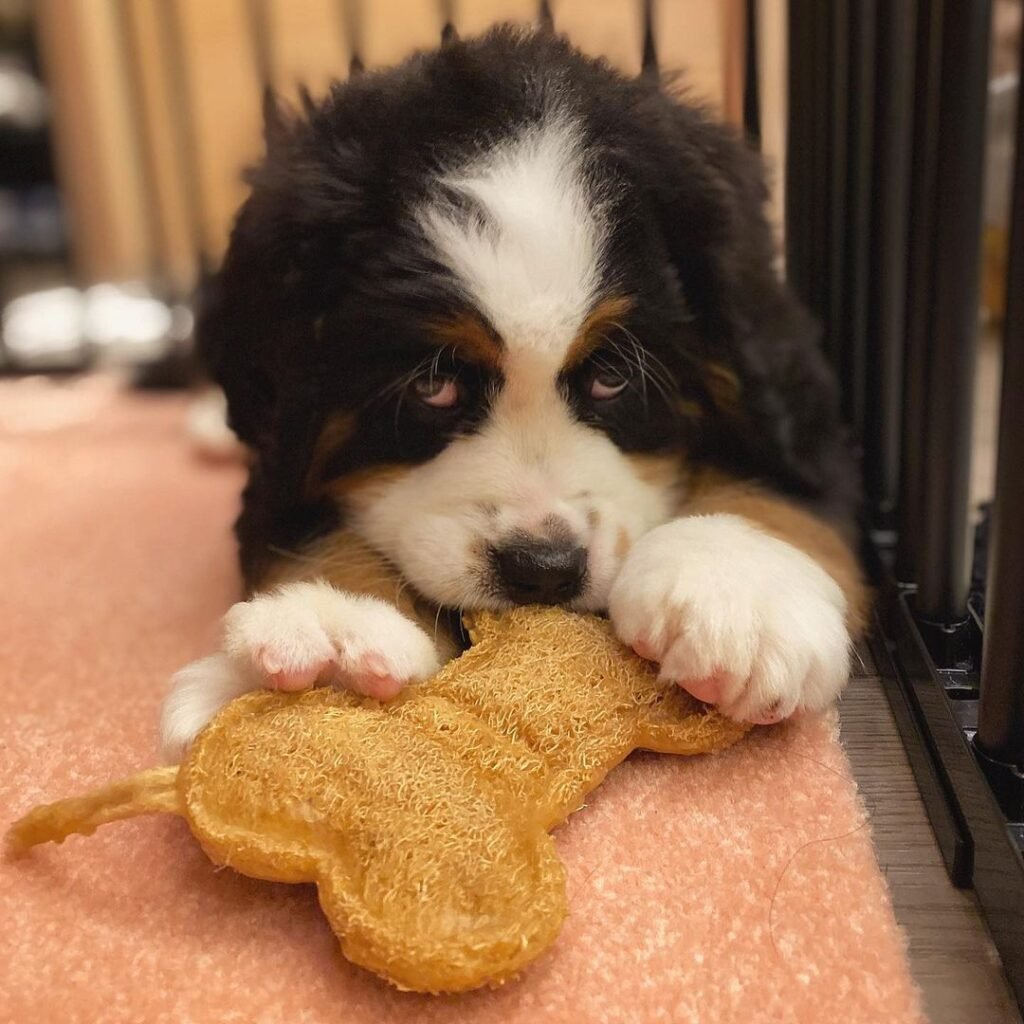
(736, 888)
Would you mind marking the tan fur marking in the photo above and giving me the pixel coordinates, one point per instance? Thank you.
(471, 338)
(715, 492)
(622, 543)
(589, 336)
(667, 471)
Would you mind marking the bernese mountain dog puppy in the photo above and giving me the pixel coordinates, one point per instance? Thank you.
(502, 326)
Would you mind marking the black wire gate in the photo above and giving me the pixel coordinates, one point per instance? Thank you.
(883, 239)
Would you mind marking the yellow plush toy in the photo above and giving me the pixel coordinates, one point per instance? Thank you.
(424, 822)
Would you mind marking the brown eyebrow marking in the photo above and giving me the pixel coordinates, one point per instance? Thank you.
(471, 338)
(601, 316)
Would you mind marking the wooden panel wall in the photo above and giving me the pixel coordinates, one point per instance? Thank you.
(174, 211)
(98, 157)
(222, 90)
(309, 45)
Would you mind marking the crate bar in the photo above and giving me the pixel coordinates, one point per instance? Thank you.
(857, 208)
(836, 75)
(944, 572)
(1001, 708)
(950, 88)
(829, 179)
(928, 49)
(797, 76)
(751, 76)
(796, 235)
(886, 258)
(806, 144)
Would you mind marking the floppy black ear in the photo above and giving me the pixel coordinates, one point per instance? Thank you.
(230, 331)
(233, 356)
(253, 335)
(774, 396)
(293, 247)
(292, 238)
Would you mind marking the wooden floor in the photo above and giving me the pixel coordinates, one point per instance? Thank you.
(951, 954)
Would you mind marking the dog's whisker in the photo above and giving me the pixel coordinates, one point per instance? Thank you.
(637, 357)
(661, 375)
(293, 556)
(437, 621)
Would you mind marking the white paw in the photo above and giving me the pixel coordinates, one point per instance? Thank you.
(198, 692)
(306, 633)
(291, 639)
(738, 618)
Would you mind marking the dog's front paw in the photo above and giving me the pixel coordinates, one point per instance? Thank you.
(291, 639)
(306, 633)
(737, 617)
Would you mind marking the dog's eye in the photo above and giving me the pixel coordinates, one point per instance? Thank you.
(606, 383)
(437, 391)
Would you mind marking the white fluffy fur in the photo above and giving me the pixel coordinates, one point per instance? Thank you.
(533, 266)
(198, 692)
(714, 595)
(290, 638)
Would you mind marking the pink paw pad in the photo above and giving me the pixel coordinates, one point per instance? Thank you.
(770, 716)
(372, 678)
(288, 678)
(646, 648)
(709, 690)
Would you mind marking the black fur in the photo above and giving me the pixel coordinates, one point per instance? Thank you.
(321, 302)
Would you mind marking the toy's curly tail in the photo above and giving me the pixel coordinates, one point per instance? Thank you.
(149, 792)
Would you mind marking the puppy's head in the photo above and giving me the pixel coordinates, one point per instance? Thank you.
(488, 308)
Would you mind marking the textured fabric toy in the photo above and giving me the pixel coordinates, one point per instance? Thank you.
(424, 822)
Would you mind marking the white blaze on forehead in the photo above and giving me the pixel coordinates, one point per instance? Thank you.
(532, 263)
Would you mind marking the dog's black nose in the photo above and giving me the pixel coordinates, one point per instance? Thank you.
(541, 571)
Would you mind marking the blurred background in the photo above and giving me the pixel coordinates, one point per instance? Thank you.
(125, 124)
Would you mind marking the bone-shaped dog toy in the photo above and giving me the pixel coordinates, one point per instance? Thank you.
(424, 822)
